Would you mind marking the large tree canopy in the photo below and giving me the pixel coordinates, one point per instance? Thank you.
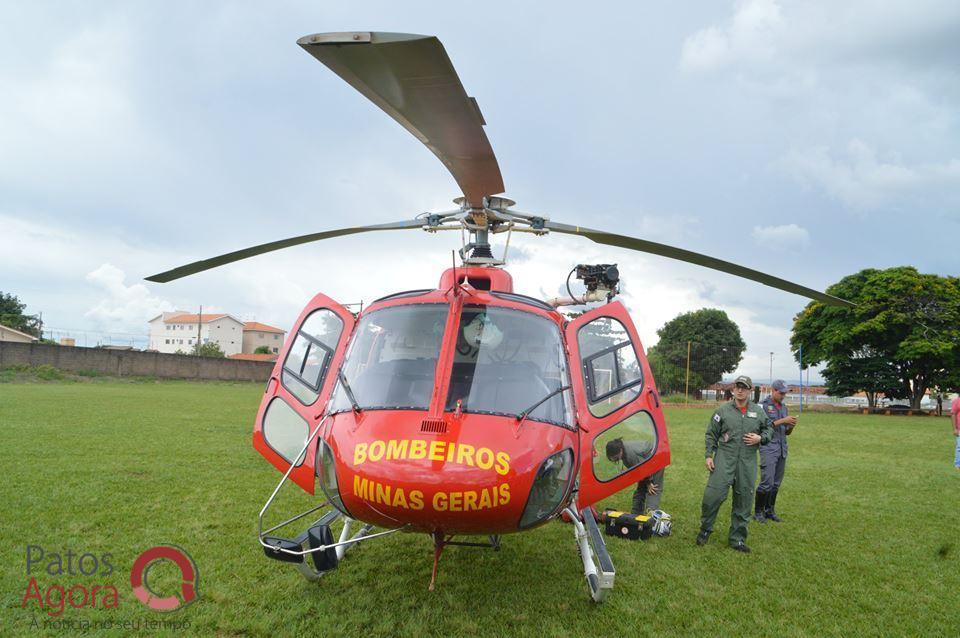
(901, 338)
(11, 315)
(715, 348)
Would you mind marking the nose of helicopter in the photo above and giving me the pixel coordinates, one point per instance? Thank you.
(472, 475)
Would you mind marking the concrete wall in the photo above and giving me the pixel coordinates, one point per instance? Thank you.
(133, 364)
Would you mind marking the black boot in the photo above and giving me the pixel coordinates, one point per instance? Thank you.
(771, 512)
(760, 507)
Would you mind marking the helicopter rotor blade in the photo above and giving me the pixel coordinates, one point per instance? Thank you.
(237, 255)
(412, 79)
(643, 245)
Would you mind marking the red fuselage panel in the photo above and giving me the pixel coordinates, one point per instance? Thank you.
(474, 478)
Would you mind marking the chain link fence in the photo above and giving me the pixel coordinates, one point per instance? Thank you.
(698, 374)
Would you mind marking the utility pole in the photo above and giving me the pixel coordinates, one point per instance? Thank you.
(771, 368)
(801, 378)
(686, 391)
(199, 325)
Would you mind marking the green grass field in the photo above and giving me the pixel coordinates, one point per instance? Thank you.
(870, 546)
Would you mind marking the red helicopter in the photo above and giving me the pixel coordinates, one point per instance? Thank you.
(465, 409)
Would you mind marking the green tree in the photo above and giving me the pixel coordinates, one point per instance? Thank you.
(208, 349)
(262, 350)
(869, 370)
(715, 348)
(11, 315)
(901, 338)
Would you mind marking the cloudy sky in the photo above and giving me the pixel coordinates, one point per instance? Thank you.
(808, 139)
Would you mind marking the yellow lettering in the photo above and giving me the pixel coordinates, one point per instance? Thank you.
(399, 499)
(440, 502)
(397, 450)
(484, 458)
(359, 453)
(456, 501)
(485, 501)
(465, 454)
(383, 494)
(416, 500)
(451, 450)
(504, 493)
(503, 463)
(436, 450)
(469, 501)
(377, 448)
(418, 449)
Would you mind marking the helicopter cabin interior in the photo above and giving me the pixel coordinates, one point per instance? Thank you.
(508, 355)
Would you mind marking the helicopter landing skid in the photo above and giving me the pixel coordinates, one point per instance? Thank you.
(597, 565)
(317, 541)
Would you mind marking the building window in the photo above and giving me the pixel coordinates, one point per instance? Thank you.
(275, 337)
(274, 351)
(167, 341)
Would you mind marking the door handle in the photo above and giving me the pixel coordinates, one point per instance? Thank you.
(656, 397)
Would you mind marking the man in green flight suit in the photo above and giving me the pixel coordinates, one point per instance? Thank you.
(735, 432)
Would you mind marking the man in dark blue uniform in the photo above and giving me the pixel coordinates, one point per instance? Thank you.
(773, 455)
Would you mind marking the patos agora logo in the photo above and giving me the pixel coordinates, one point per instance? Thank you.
(55, 597)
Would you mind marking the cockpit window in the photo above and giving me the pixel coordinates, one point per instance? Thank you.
(392, 359)
(505, 362)
(305, 367)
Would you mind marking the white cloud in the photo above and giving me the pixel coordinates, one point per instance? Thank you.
(73, 115)
(783, 236)
(124, 306)
(750, 34)
(792, 32)
(863, 179)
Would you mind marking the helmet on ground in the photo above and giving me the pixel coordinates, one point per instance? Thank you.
(662, 523)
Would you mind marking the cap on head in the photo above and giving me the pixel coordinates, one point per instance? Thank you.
(779, 385)
(743, 380)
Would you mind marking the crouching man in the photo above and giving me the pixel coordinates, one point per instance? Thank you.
(631, 453)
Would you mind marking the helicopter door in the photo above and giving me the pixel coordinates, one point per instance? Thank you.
(299, 387)
(623, 438)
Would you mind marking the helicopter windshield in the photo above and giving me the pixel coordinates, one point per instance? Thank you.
(505, 361)
(392, 360)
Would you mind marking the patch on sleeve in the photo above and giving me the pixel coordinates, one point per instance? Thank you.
(716, 417)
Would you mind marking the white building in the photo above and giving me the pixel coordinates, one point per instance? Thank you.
(259, 335)
(180, 330)
(9, 334)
